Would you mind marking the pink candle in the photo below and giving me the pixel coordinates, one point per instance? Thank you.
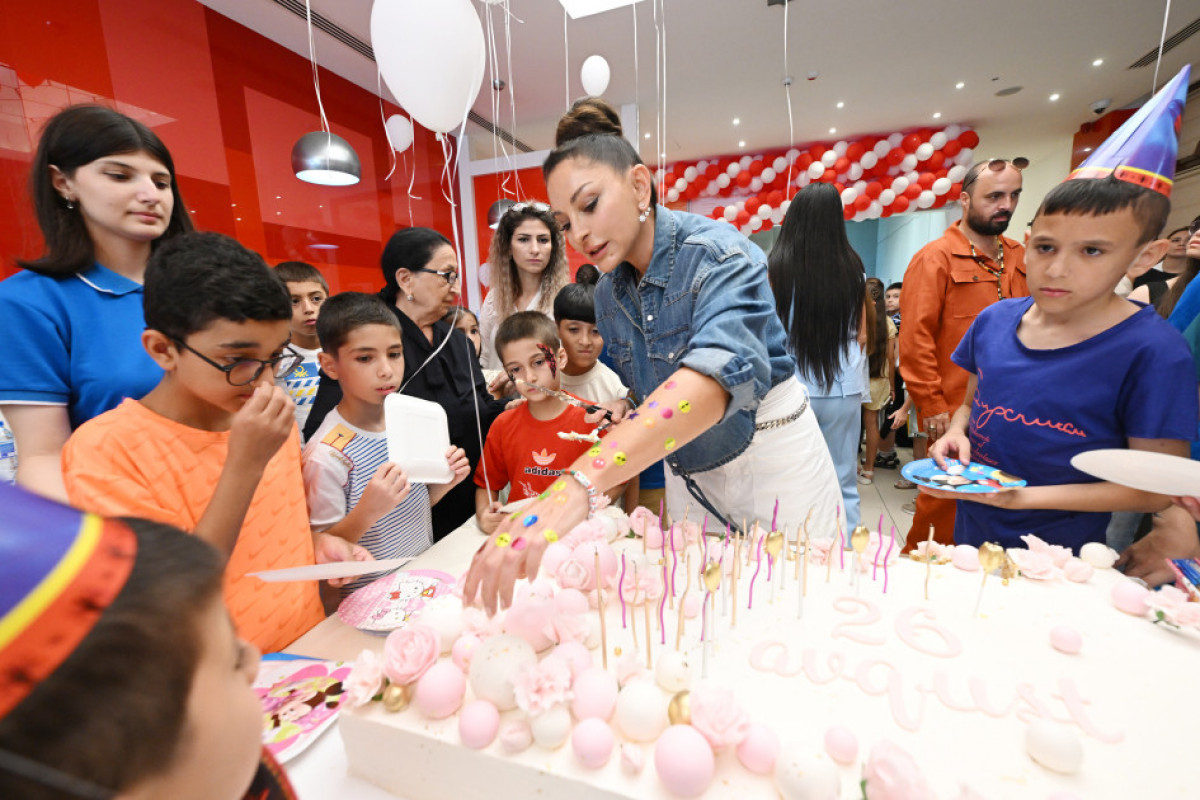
(775, 516)
(674, 558)
(754, 577)
(885, 557)
(621, 591)
(662, 606)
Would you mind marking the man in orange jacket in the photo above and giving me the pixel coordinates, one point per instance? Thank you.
(947, 283)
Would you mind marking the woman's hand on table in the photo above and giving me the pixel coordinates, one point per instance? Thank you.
(515, 550)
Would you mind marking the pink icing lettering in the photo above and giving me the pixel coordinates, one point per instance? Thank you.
(850, 605)
(941, 688)
(979, 695)
(759, 659)
(894, 687)
(836, 663)
(908, 630)
(1031, 706)
(1068, 692)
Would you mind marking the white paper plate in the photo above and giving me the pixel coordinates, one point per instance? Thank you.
(1141, 469)
(324, 572)
(418, 437)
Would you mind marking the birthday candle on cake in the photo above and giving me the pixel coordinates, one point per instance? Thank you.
(887, 555)
(662, 609)
(649, 658)
(633, 609)
(725, 585)
(734, 573)
(621, 593)
(928, 560)
(682, 602)
(841, 541)
(600, 608)
(674, 564)
(758, 567)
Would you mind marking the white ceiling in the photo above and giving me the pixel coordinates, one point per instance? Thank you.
(894, 64)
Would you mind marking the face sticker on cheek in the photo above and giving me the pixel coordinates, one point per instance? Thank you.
(551, 361)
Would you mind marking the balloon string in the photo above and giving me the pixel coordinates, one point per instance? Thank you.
(566, 62)
(512, 92)
(1161, 42)
(383, 117)
(787, 91)
(312, 60)
(637, 81)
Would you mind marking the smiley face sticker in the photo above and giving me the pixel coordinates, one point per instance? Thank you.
(670, 443)
(684, 406)
(503, 540)
(619, 458)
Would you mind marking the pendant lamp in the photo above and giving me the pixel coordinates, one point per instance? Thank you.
(323, 157)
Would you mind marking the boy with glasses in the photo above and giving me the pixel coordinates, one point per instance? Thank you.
(213, 448)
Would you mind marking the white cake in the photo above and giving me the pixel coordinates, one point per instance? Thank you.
(956, 690)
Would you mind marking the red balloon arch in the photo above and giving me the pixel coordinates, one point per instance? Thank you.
(877, 176)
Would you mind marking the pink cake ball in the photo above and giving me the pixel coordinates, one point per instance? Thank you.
(1130, 597)
(577, 656)
(461, 652)
(440, 690)
(570, 601)
(516, 736)
(692, 605)
(592, 740)
(841, 744)
(530, 620)
(553, 556)
(1065, 639)
(585, 554)
(684, 761)
(654, 537)
(478, 724)
(595, 694)
(965, 557)
(1078, 571)
(759, 751)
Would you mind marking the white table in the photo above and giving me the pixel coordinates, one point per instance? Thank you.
(320, 772)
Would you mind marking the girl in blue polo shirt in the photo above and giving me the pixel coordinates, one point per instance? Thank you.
(104, 193)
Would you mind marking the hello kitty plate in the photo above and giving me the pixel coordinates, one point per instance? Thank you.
(390, 602)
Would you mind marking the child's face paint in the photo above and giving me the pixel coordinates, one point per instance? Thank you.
(551, 361)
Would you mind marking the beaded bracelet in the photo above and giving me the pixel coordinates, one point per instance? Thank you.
(588, 486)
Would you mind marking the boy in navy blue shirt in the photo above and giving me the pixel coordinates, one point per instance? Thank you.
(1072, 368)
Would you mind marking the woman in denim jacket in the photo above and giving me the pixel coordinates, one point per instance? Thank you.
(690, 323)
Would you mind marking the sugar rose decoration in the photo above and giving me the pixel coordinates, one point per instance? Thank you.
(717, 716)
(891, 774)
(366, 679)
(540, 686)
(409, 652)
(1170, 605)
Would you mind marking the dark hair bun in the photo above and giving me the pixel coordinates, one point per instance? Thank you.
(587, 274)
(589, 115)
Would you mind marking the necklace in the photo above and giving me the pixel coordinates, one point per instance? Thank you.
(982, 262)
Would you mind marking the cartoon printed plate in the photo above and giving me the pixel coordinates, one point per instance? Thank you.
(388, 603)
(300, 699)
(972, 479)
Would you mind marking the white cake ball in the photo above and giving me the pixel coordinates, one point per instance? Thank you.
(444, 615)
(1053, 746)
(672, 671)
(641, 711)
(1099, 555)
(493, 665)
(804, 775)
(552, 727)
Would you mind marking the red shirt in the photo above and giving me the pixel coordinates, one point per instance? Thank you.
(528, 452)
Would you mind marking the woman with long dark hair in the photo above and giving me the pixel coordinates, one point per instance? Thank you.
(104, 191)
(818, 283)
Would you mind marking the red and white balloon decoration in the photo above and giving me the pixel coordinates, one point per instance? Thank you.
(876, 176)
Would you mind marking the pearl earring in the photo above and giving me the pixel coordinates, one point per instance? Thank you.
(409, 297)
(642, 216)
(70, 205)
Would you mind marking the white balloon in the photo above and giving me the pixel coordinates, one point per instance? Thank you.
(938, 140)
(913, 177)
(756, 185)
(745, 230)
(900, 184)
(779, 164)
(883, 147)
(745, 161)
(594, 75)
(941, 186)
(733, 169)
(690, 174)
(755, 223)
(768, 174)
(816, 170)
(953, 130)
(887, 197)
(722, 180)
(681, 184)
(869, 160)
(849, 194)
(777, 215)
(701, 165)
(764, 211)
(895, 139)
(432, 57)
(965, 157)
(485, 273)
(785, 206)
(874, 210)
(860, 186)
(840, 147)
(792, 155)
(731, 212)
(925, 200)
(924, 151)
(400, 131)
(909, 163)
(855, 172)
(956, 173)
(672, 195)
(829, 158)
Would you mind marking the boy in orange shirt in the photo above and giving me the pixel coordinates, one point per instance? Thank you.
(213, 448)
(529, 446)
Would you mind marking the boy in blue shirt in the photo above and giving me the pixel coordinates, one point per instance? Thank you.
(1072, 368)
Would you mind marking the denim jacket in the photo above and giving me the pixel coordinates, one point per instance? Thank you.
(704, 303)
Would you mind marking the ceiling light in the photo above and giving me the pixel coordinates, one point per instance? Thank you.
(1097, 62)
(833, 130)
(737, 120)
(937, 115)
(959, 85)
(585, 8)
(322, 157)
(841, 104)
(1054, 97)
(647, 135)
(1087, 149)
(742, 143)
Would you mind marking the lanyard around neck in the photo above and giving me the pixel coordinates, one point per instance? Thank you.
(982, 262)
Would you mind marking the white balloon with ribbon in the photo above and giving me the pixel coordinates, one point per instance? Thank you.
(432, 57)
(400, 132)
(594, 75)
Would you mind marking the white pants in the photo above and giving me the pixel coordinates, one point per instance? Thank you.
(789, 464)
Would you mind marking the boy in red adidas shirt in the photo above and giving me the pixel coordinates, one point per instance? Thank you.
(529, 446)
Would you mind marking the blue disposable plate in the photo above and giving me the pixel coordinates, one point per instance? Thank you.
(974, 479)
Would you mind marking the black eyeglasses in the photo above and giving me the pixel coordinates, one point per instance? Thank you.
(449, 276)
(245, 371)
(995, 165)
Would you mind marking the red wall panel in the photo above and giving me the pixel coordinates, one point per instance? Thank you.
(229, 104)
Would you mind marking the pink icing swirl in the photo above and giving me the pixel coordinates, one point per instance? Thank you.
(892, 774)
(409, 652)
(718, 717)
